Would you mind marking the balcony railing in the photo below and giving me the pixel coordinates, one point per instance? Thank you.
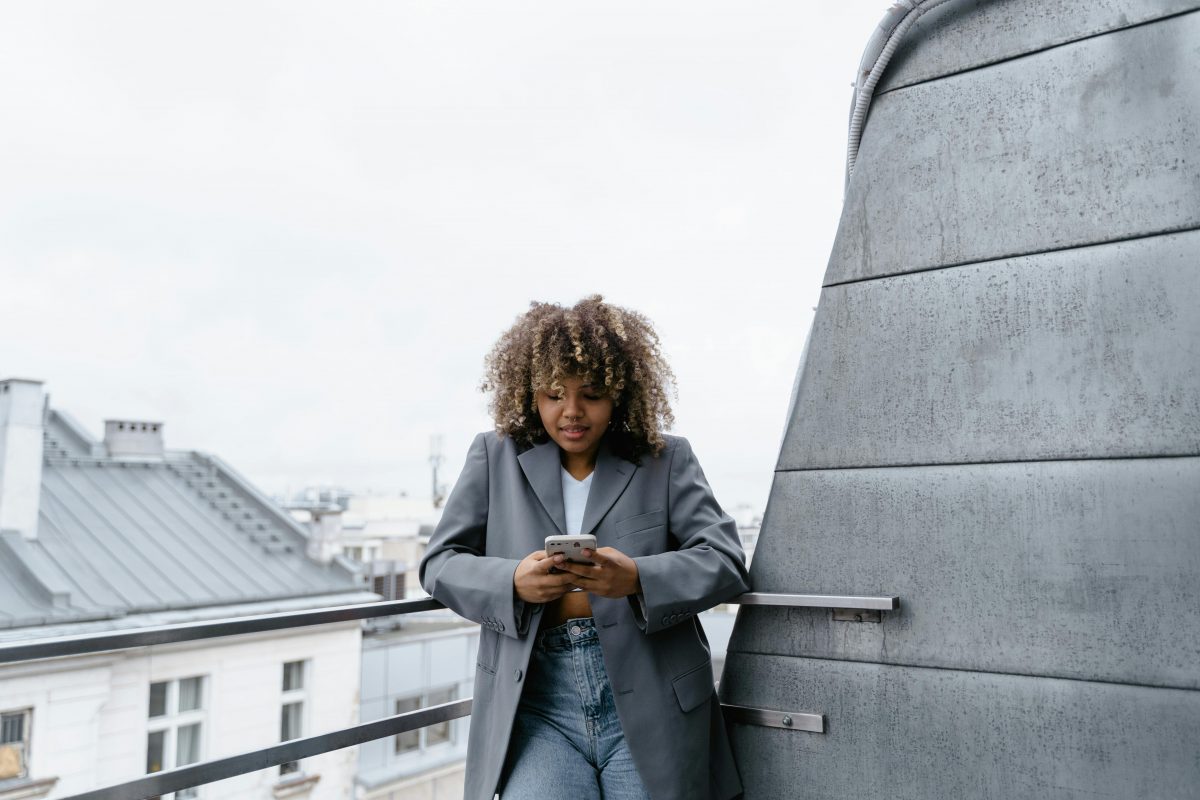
(174, 780)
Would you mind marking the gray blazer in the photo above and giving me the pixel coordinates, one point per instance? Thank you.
(662, 514)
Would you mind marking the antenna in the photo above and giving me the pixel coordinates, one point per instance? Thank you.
(435, 461)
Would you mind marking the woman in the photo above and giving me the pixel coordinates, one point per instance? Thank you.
(593, 681)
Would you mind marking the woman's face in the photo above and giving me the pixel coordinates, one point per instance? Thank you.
(576, 418)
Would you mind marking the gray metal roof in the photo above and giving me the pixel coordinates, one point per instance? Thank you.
(122, 536)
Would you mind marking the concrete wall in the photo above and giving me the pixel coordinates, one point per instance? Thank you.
(998, 420)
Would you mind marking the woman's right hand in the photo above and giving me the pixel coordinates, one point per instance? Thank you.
(533, 581)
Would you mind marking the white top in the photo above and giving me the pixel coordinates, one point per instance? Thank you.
(575, 495)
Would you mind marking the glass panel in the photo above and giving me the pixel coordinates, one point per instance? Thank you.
(436, 734)
(191, 694)
(289, 721)
(293, 676)
(187, 744)
(409, 740)
(155, 748)
(158, 699)
(288, 767)
(12, 728)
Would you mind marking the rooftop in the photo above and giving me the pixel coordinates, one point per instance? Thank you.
(128, 535)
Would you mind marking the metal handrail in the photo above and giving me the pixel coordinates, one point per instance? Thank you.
(81, 644)
(206, 629)
(160, 783)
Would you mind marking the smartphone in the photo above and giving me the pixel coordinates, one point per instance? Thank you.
(570, 547)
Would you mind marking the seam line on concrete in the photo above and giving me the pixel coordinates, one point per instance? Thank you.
(956, 669)
(1022, 254)
(1157, 457)
(1055, 46)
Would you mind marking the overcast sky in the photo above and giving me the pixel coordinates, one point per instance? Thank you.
(291, 231)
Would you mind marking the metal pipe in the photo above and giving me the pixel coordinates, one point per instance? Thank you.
(819, 601)
(12, 652)
(208, 629)
(891, 30)
(160, 783)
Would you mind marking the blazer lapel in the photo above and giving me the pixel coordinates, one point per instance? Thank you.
(612, 475)
(541, 465)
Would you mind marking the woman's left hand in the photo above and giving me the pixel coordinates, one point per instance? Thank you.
(612, 573)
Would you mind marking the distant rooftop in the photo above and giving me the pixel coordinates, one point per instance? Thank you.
(131, 533)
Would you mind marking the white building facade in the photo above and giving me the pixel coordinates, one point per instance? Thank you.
(122, 534)
(92, 721)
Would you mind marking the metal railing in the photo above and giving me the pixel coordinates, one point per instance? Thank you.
(160, 783)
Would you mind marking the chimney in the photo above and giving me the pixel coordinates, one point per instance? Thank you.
(22, 410)
(133, 439)
(324, 531)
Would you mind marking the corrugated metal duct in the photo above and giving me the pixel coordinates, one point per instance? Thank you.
(998, 421)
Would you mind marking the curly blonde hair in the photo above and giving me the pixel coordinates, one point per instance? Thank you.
(615, 349)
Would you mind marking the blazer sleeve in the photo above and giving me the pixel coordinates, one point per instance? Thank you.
(709, 566)
(455, 570)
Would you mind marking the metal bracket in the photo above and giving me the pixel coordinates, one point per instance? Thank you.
(840, 601)
(857, 615)
(765, 717)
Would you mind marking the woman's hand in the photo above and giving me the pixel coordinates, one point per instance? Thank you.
(534, 582)
(613, 573)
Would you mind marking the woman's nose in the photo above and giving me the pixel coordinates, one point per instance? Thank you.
(572, 408)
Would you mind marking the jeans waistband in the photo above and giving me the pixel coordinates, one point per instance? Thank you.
(572, 633)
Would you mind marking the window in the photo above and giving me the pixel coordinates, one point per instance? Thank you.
(14, 743)
(176, 725)
(389, 585)
(431, 735)
(353, 553)
(291, 713)
(409, 740)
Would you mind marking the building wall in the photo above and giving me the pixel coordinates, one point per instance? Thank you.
(90, 714)
(998, 422)
(407, 664)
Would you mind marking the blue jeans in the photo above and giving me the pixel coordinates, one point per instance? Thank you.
(567, 740)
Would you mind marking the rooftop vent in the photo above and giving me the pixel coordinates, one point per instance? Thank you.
(133, 439)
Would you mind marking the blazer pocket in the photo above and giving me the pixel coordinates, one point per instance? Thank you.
(641, 522)
(489, 649)
(695, 686)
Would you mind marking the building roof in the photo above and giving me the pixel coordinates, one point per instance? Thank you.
(126, 536)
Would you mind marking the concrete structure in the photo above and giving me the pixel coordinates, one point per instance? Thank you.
(998, 420)
(382, 536)
(123, 534)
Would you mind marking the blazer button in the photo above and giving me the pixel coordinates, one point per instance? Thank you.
(500, 626)
(666, 620)
(517, 675)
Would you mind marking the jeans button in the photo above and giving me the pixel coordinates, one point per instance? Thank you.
(576, 630)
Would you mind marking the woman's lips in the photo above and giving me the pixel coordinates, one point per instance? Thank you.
(573, 433)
